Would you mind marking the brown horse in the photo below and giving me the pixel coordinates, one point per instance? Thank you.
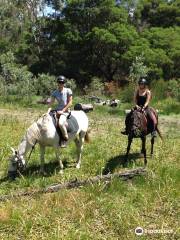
(139, 126)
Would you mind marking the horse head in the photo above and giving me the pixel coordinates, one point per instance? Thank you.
(16, 163)
(136, 126)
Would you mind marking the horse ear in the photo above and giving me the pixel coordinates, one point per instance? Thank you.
(13, 151)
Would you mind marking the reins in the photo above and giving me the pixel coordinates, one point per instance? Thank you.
(33, 147)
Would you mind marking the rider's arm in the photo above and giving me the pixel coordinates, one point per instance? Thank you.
(69, 103)
(148, 99)
(52, 100)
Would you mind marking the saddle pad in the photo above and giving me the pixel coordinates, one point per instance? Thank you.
(73, 126)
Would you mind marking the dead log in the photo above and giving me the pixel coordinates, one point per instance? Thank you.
(77, 183)
(100, 178)
(84, 107)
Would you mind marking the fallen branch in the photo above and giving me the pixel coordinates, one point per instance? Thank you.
(78, 183)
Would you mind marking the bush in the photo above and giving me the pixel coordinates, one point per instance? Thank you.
(44, 85)
(174, 88)
(127, 94)
(71, 84)
(138, 69)
(15, 78)
(96, 87)
(159, 89)
(164, 89)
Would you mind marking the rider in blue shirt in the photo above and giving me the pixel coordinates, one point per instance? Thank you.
(63, 96)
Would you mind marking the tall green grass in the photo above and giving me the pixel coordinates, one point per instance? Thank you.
(100, 211)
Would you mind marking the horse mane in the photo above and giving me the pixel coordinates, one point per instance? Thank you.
(142, 120)
(32, 133)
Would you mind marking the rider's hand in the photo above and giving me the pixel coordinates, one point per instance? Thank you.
(60, 112)
(143, 108)
(138, 107)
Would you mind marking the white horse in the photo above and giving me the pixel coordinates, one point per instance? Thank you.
(44, 132)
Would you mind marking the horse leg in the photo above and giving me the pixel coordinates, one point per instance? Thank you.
(79, 144)
(128, 149)
(152, 145)
(42, 152)
(144, 149)
(59, 159)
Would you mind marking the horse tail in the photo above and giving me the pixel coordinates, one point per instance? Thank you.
(87, 137)
(159, 132)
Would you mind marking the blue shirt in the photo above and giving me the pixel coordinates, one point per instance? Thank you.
(62, 97)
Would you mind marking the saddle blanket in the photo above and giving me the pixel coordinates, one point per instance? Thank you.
(72, 124)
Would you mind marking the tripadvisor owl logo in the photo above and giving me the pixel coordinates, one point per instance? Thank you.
(139, 231)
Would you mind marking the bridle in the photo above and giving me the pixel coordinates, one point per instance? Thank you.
(19, 161)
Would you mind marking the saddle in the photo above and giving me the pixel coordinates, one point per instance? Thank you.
(72, 124)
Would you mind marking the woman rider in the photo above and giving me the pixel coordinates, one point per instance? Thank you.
(63, 96)
(142, 99)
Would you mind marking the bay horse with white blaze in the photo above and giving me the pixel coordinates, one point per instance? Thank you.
(44, 132)
(139, 126)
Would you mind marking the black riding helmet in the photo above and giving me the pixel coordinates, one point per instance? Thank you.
(61, 79)
(142, 81)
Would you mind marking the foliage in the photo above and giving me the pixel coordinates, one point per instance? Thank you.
(71, 83)
(138, 69)
(96, 87)
(174, 88)
(92, 38)
(16, 79)
(44, 85)
(127, 93)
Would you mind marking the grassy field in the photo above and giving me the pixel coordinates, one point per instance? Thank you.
(101, 211)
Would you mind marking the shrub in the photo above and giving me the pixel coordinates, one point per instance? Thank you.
(138, 69)
(71, 84)
(15, 78)
(127, 94)
(174, 88)
(44, 85)
(164, 89)
(96, 87)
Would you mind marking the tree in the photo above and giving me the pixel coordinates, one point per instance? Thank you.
(138, 69)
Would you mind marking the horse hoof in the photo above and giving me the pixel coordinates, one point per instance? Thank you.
(78, 166)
